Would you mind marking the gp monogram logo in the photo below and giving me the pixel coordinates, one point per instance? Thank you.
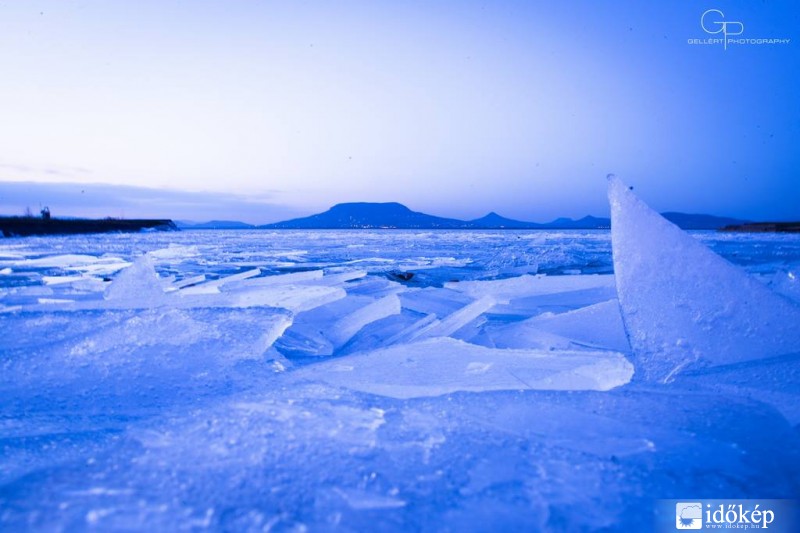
(714, 16)
(729, 32)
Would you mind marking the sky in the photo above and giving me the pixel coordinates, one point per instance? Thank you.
(260, 111)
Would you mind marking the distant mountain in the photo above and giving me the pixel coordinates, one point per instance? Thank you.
(364, 215)
(687, 221)
(495, 221)
(587, 222)
(369, 215)
(214, 224)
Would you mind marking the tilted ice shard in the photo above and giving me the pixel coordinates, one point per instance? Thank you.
(346, 327)
(683, 305)
(457, 320)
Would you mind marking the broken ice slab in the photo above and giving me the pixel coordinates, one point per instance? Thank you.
(212, 286)
(456, 320)
(346, 327)
(187, 282)
(54, 301)
(505, 290)
(58, 280)
(72, 284)
(341, 277)
(374, 287)
(411, 331)
(685, 306)
(296, 298)
(320, 331)
(278, 279)
(174, 253)
(59, 261)
(430, 300)
(555, 303)
(101, 268)
(126, 348)
(304, 342)
(595, 326)
(443, 365)
(87, 264)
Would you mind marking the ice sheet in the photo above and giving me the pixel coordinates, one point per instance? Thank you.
(118, 415)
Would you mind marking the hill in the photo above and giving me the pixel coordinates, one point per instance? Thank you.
(366, 215)
(369, 215)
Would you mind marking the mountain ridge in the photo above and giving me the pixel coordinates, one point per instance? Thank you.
(394, 215)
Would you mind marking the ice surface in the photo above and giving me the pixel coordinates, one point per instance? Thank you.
(443, 365)
(206, 411)
(684, 305)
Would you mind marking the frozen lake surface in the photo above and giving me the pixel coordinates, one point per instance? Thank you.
(382, 380)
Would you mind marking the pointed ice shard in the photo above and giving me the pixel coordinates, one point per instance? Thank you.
(138, 284)
(683, 305)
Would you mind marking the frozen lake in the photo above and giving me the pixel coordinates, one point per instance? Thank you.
(366, 380)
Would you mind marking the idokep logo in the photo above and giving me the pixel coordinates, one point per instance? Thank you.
(714, 22)
(776, 516)
(689, 515)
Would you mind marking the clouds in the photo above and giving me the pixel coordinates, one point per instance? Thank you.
(102, 200)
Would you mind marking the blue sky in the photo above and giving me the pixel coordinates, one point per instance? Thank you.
(261, 110)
